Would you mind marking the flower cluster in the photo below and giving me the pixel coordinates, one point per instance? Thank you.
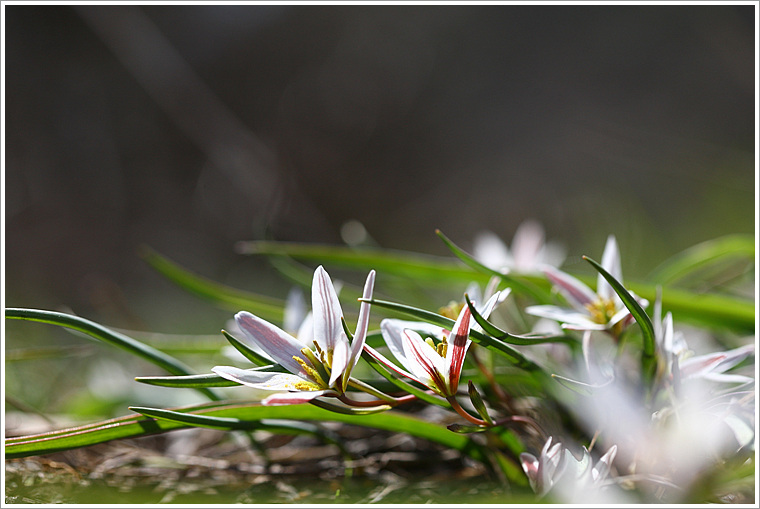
(640, 392)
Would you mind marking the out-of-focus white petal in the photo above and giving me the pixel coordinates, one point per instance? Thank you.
(530, 466)
(554, 254)
(276, 343)
(568, 317)
(306, 330)
(611, 263)
(527, 245)
(604, 464)
(491, 251)
(294, 312)
(265, 380)
(326, 309)
(576, 293)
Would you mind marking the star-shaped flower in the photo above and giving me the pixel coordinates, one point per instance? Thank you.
(600, 310)
(323, 371)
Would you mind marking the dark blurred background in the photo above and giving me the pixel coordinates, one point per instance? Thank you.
(189, 128)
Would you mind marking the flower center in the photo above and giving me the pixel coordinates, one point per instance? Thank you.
(316, 366)
(601, 310)
(451, 310)
(440, 348)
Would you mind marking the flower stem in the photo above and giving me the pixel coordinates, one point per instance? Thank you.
(461, 411)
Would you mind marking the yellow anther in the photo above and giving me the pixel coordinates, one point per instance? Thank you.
(430, 342)
(311, 372)
(306, 386)
(601, 310)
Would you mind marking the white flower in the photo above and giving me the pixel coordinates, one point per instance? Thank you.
(556, 466)
(435, 364)
(528, 254)
(600, 310)
(312, 373)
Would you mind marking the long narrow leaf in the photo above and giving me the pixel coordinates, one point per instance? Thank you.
(247, 352)
(723, 249)
(101, 333)
(187, 382)
(425, 268)
(133, 426)
(230, 298)
(519, 284)
(514, 339)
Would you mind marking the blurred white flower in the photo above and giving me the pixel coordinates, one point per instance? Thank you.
(572, 479)
(528, 253)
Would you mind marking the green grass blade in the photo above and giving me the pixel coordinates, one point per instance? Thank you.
(101, 333)
(722, 249)
(225, 296)
(133, 426)
(519, 284)
(187, 382)
(425, 268)
(514, 339)
(248, 352)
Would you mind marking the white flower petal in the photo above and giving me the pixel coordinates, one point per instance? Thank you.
(360, 334)
(269, 381)
(527, 245)
(491, 251)
(306, 330)
(294, 398)
(611, 263)
(392, 328)
(422, 360)
(384, 360)
(326, 309)
(339, 360)
(276, 343)
(564, 315)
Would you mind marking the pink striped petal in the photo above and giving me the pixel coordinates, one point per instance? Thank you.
(276, 343)
(459, 342)
(429, 367)
(387, 363)
(576, 293)
(393, 328)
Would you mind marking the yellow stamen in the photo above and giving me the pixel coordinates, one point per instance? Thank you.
(602, 310)
(313, 373)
